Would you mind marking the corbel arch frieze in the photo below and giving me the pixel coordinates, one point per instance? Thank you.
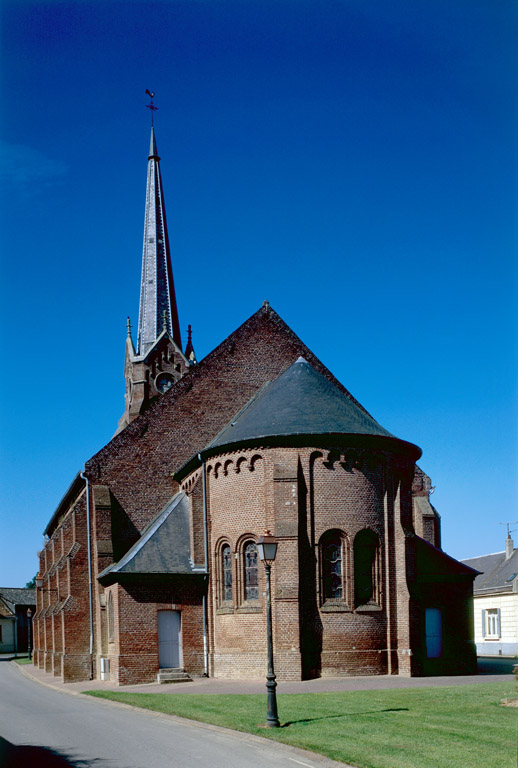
(191, 482)
(223, 467)
(350, 459)
(256, 458)
(240, 464)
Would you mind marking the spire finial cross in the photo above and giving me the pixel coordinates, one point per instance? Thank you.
(128, 326)
(151, 106)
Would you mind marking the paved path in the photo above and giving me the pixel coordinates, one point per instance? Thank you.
(490, 670)
(38, 726)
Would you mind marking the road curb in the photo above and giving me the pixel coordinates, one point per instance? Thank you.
(27, 674)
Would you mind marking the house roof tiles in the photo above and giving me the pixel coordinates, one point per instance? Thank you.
(497, 572)
(18, 596)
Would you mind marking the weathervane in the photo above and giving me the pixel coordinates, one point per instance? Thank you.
(151, 106)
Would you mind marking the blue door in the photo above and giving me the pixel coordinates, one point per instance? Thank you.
(433, 630)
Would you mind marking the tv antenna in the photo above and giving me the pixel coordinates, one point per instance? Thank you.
(509, 532)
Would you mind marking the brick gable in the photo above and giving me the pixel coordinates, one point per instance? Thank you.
(137, 463)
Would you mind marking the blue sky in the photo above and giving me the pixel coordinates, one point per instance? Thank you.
(354, 163)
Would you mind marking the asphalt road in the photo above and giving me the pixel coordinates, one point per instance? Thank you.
(44, 728)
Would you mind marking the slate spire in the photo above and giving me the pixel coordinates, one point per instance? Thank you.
(157, 287)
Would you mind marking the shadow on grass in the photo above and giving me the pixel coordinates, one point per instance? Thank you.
(12, 756)
(345, 714)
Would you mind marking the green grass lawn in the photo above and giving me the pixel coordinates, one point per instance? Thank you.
(443, 727)
(22, 660)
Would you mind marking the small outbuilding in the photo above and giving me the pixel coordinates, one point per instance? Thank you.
(14, 622)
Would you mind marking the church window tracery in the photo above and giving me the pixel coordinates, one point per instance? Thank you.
(333, 558)
(251, 571)
(226, 567)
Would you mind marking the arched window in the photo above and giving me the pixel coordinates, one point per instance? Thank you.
(333, 566)
(251, 581)
(366, 568)
(110, 618)
(226, 574)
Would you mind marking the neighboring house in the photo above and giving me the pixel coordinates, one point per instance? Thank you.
(151, 559)
(14, 604)
(496, 602)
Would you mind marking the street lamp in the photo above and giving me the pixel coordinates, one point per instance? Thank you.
(29, 616)
(39, 585)
(267, 548)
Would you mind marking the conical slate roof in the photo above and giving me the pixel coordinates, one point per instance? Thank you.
(157, 294)
(299, 402)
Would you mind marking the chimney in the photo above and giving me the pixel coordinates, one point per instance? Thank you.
(509, 547)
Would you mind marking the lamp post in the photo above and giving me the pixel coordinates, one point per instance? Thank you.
(29, 617)
(267, 548)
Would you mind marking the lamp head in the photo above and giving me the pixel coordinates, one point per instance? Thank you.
(267, 547)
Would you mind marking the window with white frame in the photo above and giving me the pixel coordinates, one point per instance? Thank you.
(491, 623)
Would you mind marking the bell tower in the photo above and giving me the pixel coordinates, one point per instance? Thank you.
(158, 361)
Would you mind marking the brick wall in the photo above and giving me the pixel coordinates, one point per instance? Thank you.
(137, 464)
(300, 494)
(134, 656)
(62, 618)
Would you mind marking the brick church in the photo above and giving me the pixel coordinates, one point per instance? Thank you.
(150, 559)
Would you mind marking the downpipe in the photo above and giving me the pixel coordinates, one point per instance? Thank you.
(90, 586)
(206, 551)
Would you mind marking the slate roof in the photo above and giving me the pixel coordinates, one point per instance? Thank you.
(5, 611)
(18, 596)
(496, 574)
(163, 548)
(299, 402)
(157, 294)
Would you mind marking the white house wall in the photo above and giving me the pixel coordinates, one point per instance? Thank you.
(8, 627)
(506, 644)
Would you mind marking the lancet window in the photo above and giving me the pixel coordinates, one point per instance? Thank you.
(226, 574)
(366, 568)
(251, 574)
(333, 555)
